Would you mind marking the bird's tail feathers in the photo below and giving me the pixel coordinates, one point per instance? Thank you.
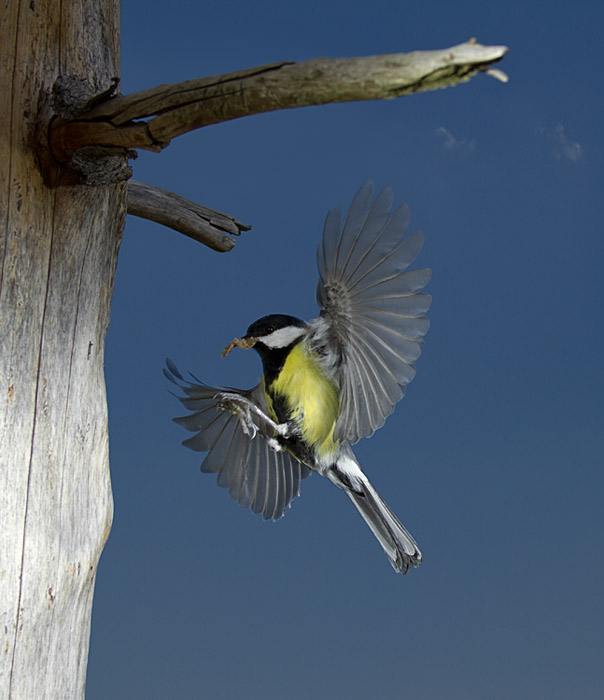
(396, 541)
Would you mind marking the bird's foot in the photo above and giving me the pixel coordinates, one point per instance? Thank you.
(243, 408)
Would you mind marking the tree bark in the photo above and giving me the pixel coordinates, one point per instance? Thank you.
(58, 252)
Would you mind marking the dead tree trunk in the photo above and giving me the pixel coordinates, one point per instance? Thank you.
(58, 252)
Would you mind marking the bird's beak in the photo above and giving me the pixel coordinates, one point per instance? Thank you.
(244, 343)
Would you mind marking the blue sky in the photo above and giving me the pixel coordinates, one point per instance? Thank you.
(494, 459)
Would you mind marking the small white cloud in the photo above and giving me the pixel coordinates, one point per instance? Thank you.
(450, 141)
(563, 146)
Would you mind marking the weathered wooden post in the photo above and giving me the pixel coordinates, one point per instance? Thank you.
(58, 251)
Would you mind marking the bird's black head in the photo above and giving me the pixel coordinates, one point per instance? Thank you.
(275, 336)
(276, 330)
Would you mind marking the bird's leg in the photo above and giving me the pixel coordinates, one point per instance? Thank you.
(243, 408)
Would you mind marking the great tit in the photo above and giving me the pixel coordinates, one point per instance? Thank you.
(326, 383)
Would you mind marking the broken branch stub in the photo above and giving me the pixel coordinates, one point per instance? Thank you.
(194, 220)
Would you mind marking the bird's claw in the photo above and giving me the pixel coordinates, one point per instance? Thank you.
(247, 424)
(243, 408)
(240, 407)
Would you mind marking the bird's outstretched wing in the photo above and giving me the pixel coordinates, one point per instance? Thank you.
(372, 312)
(257, 476)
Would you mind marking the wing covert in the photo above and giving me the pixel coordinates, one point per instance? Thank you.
(372, 320)
(257, 476)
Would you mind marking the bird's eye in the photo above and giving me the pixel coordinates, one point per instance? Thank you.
(270, 329)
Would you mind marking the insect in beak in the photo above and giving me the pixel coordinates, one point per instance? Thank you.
(243, 343)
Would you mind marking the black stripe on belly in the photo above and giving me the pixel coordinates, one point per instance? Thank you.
(295, 445)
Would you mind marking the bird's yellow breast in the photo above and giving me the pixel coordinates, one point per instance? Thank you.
(309, 398)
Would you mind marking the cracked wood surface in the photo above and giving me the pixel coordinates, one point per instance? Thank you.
(151, 118)
(58, 252)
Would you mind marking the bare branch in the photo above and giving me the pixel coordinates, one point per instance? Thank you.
(204, 225)
(174, 109)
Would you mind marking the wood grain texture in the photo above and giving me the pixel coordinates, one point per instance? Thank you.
(204, 225)
(58, 252)
(149, 119)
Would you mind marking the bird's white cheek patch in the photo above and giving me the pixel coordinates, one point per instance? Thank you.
(283, 337)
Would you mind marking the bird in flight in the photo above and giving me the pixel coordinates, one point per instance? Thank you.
(326, 383)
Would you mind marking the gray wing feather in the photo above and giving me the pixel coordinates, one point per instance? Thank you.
(258, 477)
(372, 323)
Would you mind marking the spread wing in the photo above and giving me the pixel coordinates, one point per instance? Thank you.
(257, 476)
(372, 312)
